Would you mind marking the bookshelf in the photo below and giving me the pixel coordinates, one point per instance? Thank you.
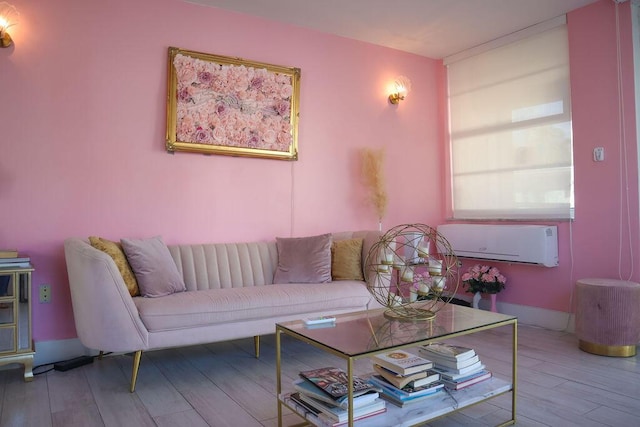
(363, 334)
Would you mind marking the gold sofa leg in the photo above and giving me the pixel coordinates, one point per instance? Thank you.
(256, 345)
(134, 372)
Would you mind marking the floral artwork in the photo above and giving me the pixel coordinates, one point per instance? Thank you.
(229, 106)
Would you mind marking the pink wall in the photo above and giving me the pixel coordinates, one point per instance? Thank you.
(83, 122)
(597, 243)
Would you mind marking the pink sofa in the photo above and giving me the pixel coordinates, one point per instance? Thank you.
(229, 295)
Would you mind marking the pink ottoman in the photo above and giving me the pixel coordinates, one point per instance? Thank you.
(608, 316)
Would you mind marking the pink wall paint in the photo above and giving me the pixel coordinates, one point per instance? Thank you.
(83, 118)
(83, 122)
(597, 243)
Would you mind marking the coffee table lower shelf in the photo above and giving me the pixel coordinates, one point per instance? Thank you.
(445, 402)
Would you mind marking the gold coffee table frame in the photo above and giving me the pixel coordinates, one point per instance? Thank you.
(363, 334)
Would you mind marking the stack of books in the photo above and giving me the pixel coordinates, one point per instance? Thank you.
(459, 367)
(404, 377)
(9, 259)
(324, 393)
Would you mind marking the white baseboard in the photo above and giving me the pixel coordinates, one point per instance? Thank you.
(534, 316)
(57, 350)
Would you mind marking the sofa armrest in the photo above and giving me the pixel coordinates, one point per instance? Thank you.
(104, 313)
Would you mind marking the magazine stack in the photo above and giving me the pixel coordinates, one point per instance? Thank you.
(323, 395)
(404, 378)
(9, 258)
(458, 366)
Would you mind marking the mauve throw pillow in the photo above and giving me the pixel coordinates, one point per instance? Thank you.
(153, 266)
(303, 259)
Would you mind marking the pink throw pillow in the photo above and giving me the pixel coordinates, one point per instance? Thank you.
(153, 266)
(303, 259)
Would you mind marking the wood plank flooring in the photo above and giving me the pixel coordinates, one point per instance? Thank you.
(223, 384)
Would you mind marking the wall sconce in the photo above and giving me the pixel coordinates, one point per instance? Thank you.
(401, 87)
(8, 18)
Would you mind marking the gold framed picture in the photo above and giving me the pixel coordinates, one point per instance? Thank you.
(231, 106)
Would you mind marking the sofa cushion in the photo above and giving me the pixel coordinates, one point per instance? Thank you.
(303, 259)
(153, 266)
(114, 250)
(207, 307)
(346, 259)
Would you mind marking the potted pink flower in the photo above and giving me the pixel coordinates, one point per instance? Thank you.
(483, 279)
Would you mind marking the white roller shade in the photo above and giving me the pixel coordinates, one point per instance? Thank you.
(510, 124)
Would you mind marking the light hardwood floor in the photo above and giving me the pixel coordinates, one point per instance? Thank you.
(222, 384)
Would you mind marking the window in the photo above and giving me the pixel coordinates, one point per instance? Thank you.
(510, 130)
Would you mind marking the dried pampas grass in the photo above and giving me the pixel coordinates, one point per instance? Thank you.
(373, 174)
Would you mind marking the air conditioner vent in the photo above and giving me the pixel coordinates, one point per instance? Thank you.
(527, 244)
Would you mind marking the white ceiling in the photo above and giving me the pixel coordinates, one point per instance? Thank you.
(432, 28)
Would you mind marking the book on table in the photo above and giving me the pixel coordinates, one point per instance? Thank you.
(414, 380)
(8, 265)
(8, 253)
(406, 392)
(402, 362)
(341, 415)
(15, 262)
(335, 382)
(12, 260)
(305, 387)
(447, 351)
(467, 381)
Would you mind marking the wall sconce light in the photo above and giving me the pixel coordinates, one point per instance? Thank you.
(8, 18)
(401, 87)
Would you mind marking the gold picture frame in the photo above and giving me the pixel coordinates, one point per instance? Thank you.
(231, 106)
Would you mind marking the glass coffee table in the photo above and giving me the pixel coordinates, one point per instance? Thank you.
(362, 334)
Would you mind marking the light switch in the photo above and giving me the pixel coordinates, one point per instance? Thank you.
(598, 154)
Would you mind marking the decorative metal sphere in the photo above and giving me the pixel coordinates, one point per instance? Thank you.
(412, 271)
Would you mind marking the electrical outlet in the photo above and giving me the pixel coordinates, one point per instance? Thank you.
(45, 293)
(598, 154)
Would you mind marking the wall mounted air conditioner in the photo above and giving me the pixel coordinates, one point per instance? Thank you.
(529, 244)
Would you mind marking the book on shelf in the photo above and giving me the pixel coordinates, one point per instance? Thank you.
(414, 380)
(402, 362)
(451, 364)
(341, 415)
(411, 400)
(447, 351)
(303, 386)
(447, 374)
(8, 253)
(307, 408)
(467, 381)
(334, 382)
(406, 392)
(478, 366)
(309, 412)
